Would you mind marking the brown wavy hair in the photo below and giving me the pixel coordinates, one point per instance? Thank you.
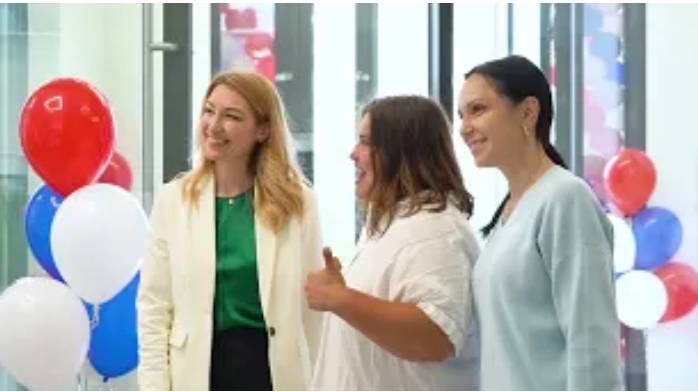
(413, 161)
(277, 177)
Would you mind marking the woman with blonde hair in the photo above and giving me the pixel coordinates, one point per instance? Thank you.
(221, 304)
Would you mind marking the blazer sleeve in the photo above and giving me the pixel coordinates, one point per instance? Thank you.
(154, 305)
(312, 260)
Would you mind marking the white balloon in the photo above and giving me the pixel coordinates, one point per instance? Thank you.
(594, 69)
(608, 94)
(612, 23)
(614, 117)
(44, 333)
(641, 299)
(98, 240)
(624, 247)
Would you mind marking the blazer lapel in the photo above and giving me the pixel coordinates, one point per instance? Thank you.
(266, 258)
(203, 236)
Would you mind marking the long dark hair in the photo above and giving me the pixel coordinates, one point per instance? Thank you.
(413, 160)
(516, 78)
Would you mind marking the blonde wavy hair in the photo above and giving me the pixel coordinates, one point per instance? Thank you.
(277, 178)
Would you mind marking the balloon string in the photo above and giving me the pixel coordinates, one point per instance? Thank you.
(95, 317)
(82, 379)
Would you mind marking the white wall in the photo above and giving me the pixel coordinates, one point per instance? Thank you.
(672, 144)
(402, 52)
(526, 31)
(334, 123)
(403, 49)
(201, 61)
(479, 34)
(101, 43)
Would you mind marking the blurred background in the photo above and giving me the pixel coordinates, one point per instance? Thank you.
(623, 75)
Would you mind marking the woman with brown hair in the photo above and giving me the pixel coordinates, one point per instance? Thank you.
(400, 315)
(543, 284)
(220, 304)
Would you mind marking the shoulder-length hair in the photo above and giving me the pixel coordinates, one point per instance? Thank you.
(414, 162)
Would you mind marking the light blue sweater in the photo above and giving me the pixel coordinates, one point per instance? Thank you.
(544, 293)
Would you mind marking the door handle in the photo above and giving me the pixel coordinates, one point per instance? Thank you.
(163, 47)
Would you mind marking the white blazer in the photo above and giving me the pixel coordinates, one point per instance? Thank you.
(175, 299)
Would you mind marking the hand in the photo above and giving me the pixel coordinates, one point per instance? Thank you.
(323, 289)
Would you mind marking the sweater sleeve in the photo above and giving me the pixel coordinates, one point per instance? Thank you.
(576, 243)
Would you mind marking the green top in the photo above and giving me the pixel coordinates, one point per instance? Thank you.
(236, 302)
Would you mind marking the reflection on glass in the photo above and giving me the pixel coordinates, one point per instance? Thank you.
(274, 40)
(603, 91)
(247, 38)
(14, 20)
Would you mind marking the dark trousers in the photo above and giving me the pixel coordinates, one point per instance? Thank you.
(240, 360)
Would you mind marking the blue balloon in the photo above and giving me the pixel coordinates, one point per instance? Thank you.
(593, 19)
(606, 47)
(37, 225)
(114, 341)
(615, 72)
(658, 235)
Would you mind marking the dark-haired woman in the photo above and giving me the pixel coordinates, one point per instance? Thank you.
(400, 317)
(543, 284)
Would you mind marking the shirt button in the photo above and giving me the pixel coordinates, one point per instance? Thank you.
(272, 331)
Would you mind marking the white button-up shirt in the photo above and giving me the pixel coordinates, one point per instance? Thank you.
(425, 259)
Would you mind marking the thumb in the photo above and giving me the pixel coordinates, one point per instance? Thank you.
(331, 262)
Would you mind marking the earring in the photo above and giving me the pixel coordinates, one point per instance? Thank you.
(525, 130)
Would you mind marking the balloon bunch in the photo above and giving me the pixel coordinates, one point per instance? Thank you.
(651, 286)
(87, 232)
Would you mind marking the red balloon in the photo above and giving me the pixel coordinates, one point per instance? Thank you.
(67, 134)
(240, 19)
(681, 282)
(267, 68)
(259, 44)
(630, 178)
(118, 172)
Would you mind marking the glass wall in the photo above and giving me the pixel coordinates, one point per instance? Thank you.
(40, 42)
(330, 59)
(14, 35)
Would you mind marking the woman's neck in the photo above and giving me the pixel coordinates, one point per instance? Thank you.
(524, 172)
(232, 178)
